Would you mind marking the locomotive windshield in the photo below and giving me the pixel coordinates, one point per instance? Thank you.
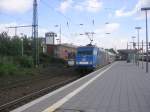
(87, 52)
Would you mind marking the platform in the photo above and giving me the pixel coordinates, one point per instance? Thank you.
(120, 87)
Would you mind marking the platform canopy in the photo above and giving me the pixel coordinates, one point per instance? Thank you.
(127, 51)
(124, 53)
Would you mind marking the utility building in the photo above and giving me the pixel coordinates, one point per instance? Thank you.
(62, 51)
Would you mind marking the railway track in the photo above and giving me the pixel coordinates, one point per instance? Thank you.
(23, 82)
(27, 98)
(26, 81)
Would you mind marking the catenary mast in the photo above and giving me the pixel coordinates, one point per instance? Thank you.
(35, 34)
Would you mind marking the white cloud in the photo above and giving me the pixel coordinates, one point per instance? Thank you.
(89, 5)
(93, 5)
(135, 10)
(79, 7)
(42, 32)
(15, 5)
(108, 28)
(65, 5)
(3, 28)
(109, 41)
(122, 13)
(141, 16)
(100, 38)
(27, 31)
(143, 3)
(11, 31)
(85, 5)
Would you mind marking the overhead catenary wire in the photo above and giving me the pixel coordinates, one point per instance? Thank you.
(68, 19)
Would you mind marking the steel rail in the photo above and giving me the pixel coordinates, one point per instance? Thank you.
(34, 95)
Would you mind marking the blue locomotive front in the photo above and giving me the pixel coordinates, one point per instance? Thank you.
(86, 57)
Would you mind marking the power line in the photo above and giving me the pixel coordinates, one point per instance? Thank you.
(68, 20)
(16, 28)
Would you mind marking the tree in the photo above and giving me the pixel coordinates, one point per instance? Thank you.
(4, 43)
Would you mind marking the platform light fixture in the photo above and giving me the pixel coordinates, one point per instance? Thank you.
(138, 39)
(146, 9)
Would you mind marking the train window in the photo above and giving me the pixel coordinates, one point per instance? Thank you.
(87, 52)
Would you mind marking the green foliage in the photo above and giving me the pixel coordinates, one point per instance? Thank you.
(9, 46)
(45, 58)
(11, 59)
(6, 59)
(57, 60)
(24, 61)
(4, 43)
(7, 69)
(48, 59)
(12, 46)
(27, 44)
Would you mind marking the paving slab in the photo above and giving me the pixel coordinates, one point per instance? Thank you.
(124, 87)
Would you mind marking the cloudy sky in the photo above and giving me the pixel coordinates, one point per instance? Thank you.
(117, 17)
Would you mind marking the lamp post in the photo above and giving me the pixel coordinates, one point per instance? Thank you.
(133, 37)
(146, 9)
(22, 48)
(142, 55)
(138, 30)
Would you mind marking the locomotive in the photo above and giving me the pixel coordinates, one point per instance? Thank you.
(90, 57)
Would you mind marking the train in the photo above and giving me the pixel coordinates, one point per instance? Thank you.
(91, 57)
